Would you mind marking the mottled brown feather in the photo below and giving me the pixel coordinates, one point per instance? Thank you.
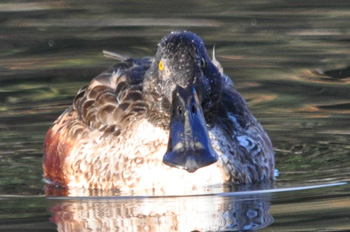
(110, 100)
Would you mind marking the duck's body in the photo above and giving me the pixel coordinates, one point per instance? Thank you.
(140, 124)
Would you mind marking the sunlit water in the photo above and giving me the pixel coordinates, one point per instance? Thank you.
(289, 59)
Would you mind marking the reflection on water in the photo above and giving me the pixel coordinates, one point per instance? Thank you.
(289, 59)
(204, 213)
(208, 209)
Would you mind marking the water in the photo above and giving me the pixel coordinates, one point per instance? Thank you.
(289, 59)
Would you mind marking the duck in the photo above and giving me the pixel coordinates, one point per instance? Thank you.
(167, 122)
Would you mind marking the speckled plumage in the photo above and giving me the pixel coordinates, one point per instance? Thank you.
(116, 133)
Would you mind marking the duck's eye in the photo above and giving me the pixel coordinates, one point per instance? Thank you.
(161, 65)
(203, 63)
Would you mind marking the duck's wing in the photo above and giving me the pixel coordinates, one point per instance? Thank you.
(106, 104)
(114, 97)
(251, 153)
(233, 113)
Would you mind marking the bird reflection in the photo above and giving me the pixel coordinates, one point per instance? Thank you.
(183, 213)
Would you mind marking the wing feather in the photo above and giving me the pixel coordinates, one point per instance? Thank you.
(253, 146)
(114, 96)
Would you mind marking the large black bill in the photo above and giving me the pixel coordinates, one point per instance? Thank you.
(189, 145)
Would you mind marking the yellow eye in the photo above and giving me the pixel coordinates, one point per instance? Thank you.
(203, 64)
(161, 66)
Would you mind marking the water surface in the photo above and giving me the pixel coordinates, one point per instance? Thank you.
(289, 59)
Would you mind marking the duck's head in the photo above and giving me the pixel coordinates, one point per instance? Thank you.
(187, 85)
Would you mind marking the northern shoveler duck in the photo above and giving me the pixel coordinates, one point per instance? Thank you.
(167, 122)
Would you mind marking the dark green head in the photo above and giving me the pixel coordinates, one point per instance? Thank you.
(182, 60)
(188, 85)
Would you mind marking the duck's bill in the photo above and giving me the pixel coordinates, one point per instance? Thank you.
(189, 145)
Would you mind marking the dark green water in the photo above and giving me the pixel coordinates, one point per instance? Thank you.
(289, 59)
